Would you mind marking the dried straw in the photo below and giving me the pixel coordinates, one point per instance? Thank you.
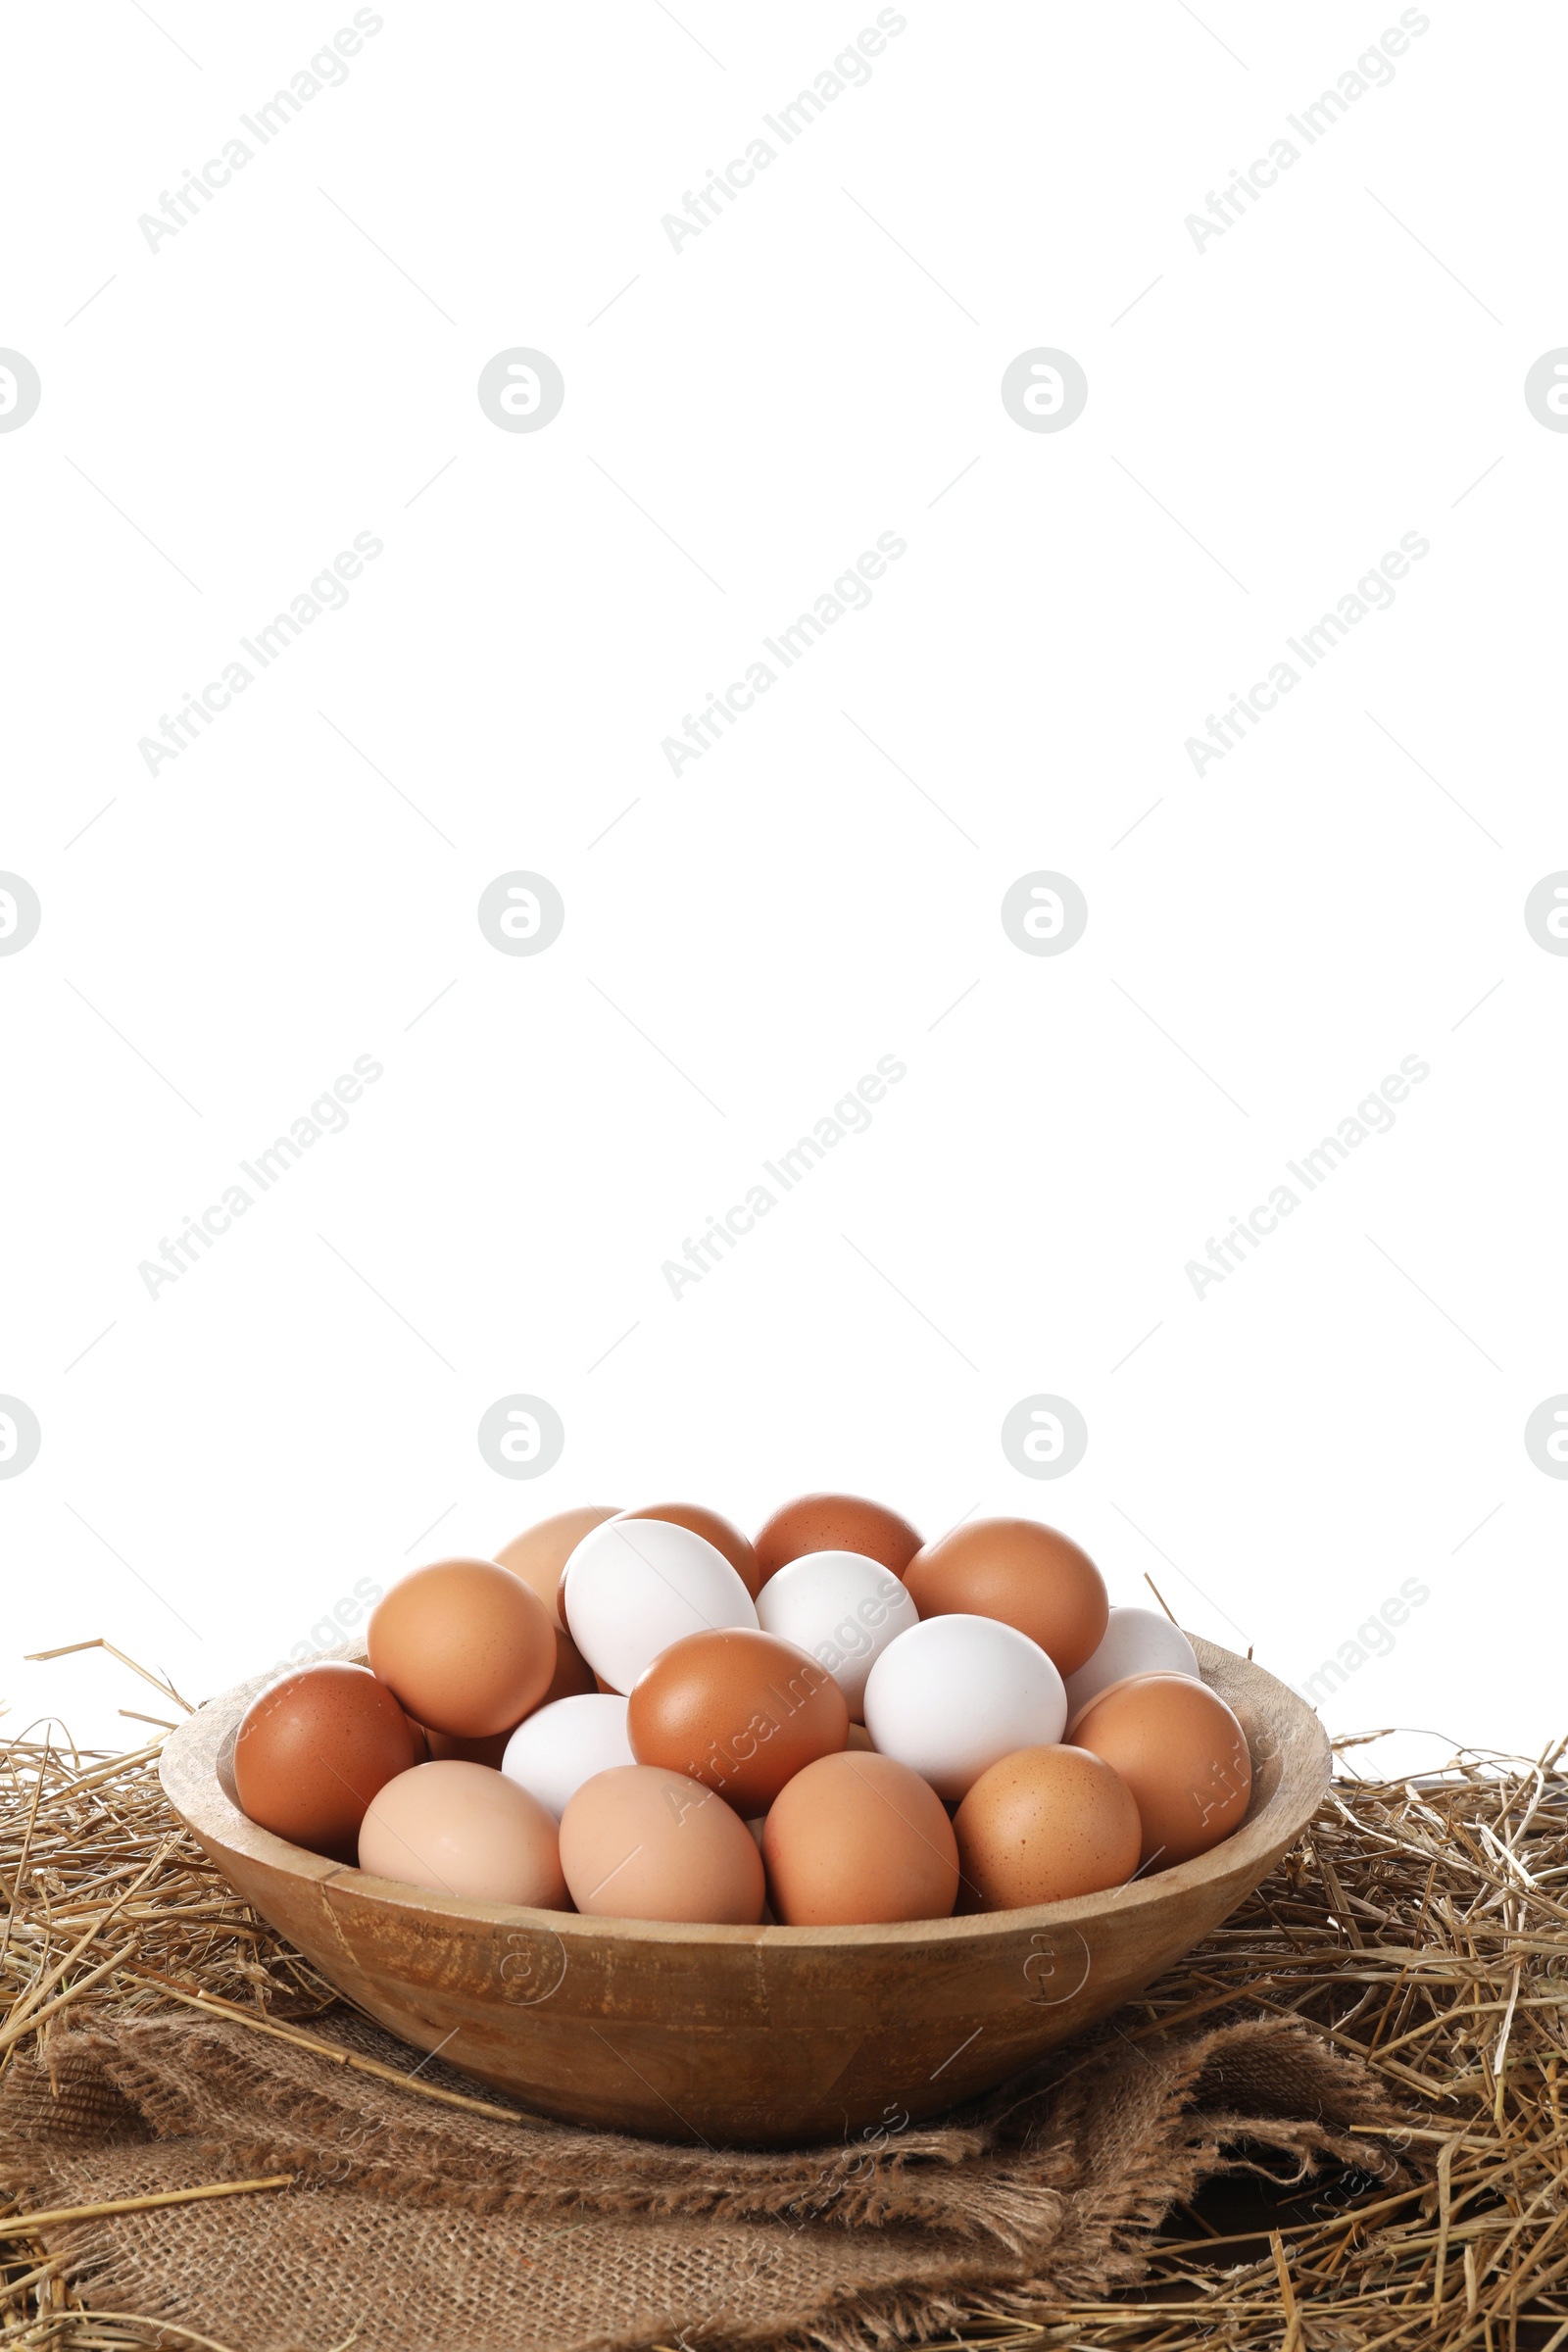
(1422, 1923)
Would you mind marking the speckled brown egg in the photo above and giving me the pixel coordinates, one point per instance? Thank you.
(1045, 1824)
(1182, 1753)
(466, 1646)
(857, 1840)
(1021, 1573)
(315, 1748)
(739, 1711)
(721, 1532)
(835, 1523)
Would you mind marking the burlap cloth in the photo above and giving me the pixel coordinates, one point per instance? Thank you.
(413, 2226)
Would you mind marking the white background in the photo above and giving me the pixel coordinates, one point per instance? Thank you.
(1265, 417)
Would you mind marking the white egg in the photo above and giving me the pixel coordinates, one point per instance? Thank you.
(553, 1751)
(1136, 1641)
(634, 1586)
(842, 1607)
(955, 1694)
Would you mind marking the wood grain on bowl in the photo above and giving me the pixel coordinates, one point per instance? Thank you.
(761, 2036)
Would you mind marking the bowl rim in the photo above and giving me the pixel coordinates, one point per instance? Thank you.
(189, 1773)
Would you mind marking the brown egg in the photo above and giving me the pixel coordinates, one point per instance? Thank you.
(459, 1828)
(573, 1678)
(859, 1738)
(1023, 1573)
(1044, 1824)
(835, 1523)
(638, 1842)
(467, 1648)
(315, 1748)
(723, 1535)
(742, 1712)
(539, 1554)
(857, 1840)
(1184, 1756)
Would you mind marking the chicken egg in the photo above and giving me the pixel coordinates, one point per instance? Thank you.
(1046, 1823)
(315, 1748)
(723, 1535)
(1021, 1573)
(461, 1828)
(737, 1710)
(842, 1607)
(639, 1842)
(956, 1692)
(835, 1523)
(539, 1554)
(572, 1676)
(858, 1840)
(1182, 1753)
(464, 1645)
(560, 1747)
(634, 1586)
(1136, 1641)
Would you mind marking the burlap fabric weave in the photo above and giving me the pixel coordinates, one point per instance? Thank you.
(413, 2226)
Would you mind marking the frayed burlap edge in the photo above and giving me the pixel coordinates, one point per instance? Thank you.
(1048, 2191)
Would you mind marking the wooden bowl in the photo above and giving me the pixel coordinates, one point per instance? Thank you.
(754, 2036)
